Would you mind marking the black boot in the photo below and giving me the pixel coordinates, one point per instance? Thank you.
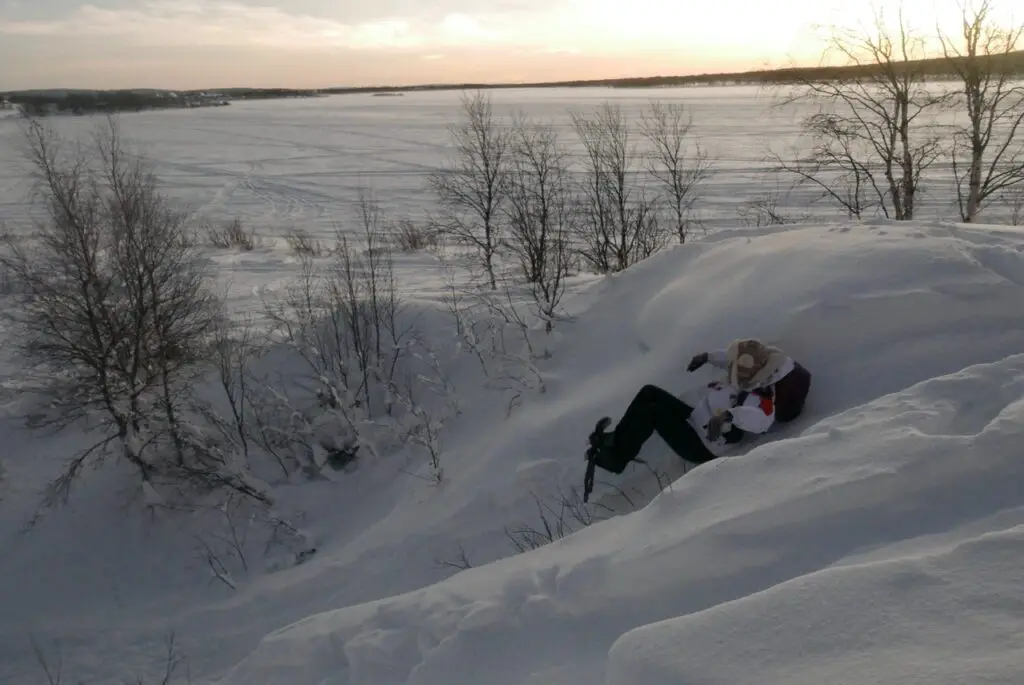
(600, 441)
(598, 453)
(604, 450)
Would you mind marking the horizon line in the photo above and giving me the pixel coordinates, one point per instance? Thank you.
(440, 85)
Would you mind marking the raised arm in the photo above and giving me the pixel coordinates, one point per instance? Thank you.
(718, 358)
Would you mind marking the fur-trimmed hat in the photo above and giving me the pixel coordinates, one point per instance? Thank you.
(751, 363)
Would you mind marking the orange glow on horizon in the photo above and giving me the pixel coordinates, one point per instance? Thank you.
(219, 43)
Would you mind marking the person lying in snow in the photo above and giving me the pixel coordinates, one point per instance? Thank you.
(763, 386)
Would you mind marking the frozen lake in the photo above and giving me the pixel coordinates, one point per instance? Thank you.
(283, 164)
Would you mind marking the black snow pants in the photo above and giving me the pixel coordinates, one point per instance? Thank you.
(654, 410)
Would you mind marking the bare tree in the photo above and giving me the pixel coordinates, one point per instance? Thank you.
(538, 212)
(836, 165)
(768, 208)
(874, 125)
(425, 420)
(234, 348)
(114, 308)
(1016, 201)
(345, 321)
(495, 327)
(471, 188)
(668, 128)
(618, 223)
(992, 139)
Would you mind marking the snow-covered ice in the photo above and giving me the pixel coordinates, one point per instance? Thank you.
(878, 539)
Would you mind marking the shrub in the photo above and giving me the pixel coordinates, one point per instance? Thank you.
(232, 235)
(301, 243)
(412, 237)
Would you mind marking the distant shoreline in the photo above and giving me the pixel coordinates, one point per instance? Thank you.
(80, 101)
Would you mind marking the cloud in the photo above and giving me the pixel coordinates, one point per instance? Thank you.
(230, 23)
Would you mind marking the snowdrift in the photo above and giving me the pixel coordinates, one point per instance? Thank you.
(883, 545)
(855, 543)
(876, 540)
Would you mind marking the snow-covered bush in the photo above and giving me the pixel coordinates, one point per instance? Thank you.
(361, 367)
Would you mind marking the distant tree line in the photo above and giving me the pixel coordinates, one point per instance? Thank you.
(937, 68)
(106, 102)
(267, 93)
(42, 103)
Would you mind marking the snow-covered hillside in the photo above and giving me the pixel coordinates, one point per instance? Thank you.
(877, 539)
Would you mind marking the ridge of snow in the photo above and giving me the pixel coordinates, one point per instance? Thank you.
(858, 550)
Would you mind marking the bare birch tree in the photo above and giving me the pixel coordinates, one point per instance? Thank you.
(988, 152)
(113, 310)
(538, 212)
(471, 188)
(618, 224)
(668, 128)
(874, 126)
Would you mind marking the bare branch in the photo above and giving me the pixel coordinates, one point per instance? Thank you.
(54, 672)
(992, 140)
(471, 188)
(539, 214)
(460, 562)
(668, 129)
(113, 307)
(618, 225)
(873, 132)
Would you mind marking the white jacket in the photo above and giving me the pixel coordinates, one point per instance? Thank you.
(755, 415)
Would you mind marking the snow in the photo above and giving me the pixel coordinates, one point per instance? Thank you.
(876, 539)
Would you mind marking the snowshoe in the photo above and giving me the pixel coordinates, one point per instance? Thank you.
(598, 438)
(599, 441)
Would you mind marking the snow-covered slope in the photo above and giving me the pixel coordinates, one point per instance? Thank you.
(876, 543)
(857, 543)
(883, 545)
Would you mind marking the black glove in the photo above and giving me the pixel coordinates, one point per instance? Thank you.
(698, 361)
(715, 425)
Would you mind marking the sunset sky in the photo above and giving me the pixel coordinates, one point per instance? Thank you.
(320, 43)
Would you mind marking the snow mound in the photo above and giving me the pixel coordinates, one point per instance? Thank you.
(878, 530)
(903, 554)
(882, 545)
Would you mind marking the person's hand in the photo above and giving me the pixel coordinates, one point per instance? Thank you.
(715, 425)
(698, 361)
